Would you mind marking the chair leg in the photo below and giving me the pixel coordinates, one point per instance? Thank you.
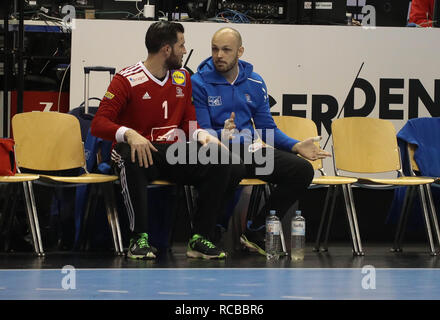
(33, 217)
(350, 220)
(283, 242)
(355, 220)
(116, 219)
(92, 200)
(335, 195)
(8, 215)
(329, 193)
(426, 218)
(433, 212)
(405, 212)
(107, 192)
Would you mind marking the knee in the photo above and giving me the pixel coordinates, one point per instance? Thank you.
(309, 173)
(306, 173)
(237, 173)
(301, 175)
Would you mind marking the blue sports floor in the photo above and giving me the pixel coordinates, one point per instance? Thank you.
(221, 284)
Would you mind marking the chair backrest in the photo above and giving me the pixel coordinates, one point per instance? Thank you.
(47, 141)
(299, 129)
(365, 145)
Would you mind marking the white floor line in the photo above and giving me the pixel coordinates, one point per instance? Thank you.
(234, 295)
(174, 293)
(113, 291)
(51, 289)
(296, 297)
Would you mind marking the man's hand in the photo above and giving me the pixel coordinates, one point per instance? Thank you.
(140, 146)
(309, 150)
(229, 127)
(204, 138)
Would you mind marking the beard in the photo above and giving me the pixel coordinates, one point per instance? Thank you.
(225, 67)
(173, 62)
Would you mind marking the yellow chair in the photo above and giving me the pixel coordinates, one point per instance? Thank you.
(407, 204)
(366, 147)
(49, 143)
(301, 129)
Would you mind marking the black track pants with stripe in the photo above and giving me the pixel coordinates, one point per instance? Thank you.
(215, 183)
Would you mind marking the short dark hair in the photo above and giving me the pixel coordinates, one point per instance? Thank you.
(162, 33)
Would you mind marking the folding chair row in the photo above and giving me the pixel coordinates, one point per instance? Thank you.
(362, 146)
(301, 129)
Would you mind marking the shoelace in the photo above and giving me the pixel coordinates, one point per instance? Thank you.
(143, 242)
(207, 243)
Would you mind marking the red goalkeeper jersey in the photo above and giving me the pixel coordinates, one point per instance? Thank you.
(137, 100)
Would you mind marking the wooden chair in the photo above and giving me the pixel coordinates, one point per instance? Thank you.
(366, 147)
(301, 129)
(50, 143)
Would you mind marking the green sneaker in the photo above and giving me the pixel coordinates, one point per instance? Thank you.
(140, 249)
(199, 247)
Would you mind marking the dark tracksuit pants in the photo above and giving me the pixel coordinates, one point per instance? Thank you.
(291, 177)
(215, 184)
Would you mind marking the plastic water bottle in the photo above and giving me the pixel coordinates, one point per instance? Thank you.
(273, 238)
(298, 236)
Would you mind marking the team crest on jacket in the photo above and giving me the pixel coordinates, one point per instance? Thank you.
(214, 101)
(178, 77)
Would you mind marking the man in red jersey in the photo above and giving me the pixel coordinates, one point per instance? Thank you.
(146, 110)
(422, 12)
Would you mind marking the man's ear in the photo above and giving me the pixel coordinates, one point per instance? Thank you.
(166, 50)
(240, 51)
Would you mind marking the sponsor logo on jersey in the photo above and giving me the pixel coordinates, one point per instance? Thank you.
(146, 96)
(248, 97)
(214, 101)
(178, 77)
(137, 78)
(109, 95)
(179, 92)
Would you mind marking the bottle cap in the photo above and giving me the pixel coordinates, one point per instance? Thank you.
(272, 212)
(298, 212)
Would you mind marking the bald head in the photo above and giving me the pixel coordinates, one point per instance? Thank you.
(226, 50)
(229, 34)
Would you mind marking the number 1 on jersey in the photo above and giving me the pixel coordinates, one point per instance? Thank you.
(165, 107)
